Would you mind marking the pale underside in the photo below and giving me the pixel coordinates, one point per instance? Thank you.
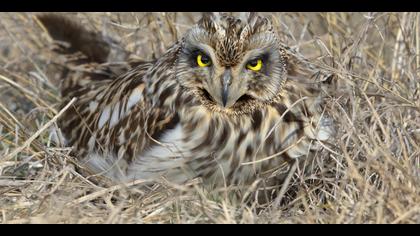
(171, 157)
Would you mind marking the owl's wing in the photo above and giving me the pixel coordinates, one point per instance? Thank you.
(312, 86)
(109, 94)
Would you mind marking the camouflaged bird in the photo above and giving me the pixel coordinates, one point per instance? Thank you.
(224, 103)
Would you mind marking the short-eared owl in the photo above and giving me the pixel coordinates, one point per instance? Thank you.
(224, 103)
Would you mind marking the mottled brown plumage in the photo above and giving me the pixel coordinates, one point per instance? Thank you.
(172, 118)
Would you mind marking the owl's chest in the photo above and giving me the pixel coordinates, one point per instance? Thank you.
(212, 145)
(216, 147)
(207, 137)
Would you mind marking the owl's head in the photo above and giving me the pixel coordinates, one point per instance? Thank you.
(232, 62)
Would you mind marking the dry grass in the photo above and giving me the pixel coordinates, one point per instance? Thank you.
(370, 173)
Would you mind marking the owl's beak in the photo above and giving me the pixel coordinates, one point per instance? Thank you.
(226, 82)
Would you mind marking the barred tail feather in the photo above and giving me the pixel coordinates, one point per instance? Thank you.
(77, 38)
(92, 59)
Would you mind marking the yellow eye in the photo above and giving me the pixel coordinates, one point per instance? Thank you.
(203, 60)
(254, 65)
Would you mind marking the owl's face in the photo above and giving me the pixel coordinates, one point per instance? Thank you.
(230, 63)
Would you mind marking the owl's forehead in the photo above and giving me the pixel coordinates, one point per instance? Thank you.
(228, 37)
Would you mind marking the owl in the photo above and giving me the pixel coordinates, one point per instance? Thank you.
(226, 103)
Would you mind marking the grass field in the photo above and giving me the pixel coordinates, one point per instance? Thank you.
(369, 174)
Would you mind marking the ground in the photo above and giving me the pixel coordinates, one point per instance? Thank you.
(369, 173)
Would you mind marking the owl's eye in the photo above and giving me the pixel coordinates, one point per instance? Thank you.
(203, 60)
(254, 65)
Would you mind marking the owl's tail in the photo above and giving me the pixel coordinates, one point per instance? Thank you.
(91, 59)
(72, 38)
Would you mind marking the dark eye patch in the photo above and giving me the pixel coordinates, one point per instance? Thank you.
(254, 62)
(205, 59)
(194, 54)
(265, 58)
